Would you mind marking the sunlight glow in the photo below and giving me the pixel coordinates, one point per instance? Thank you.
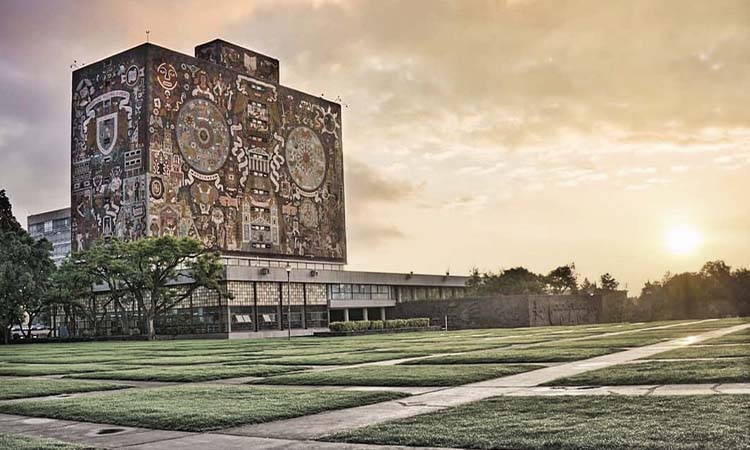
(682, 240)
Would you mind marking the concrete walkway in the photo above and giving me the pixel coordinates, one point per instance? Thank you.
(116, 437)
(318, 425)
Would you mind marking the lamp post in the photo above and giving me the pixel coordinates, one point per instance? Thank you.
(289, 301)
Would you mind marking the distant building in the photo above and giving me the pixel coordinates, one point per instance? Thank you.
(55, 227)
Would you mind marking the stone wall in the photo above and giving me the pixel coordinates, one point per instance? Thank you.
(516, 310)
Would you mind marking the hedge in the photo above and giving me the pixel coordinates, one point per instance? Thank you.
(363, 325)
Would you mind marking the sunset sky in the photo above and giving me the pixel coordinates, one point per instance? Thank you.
(615, 134)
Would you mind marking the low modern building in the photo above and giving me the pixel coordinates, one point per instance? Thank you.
(215, 148)
(55, 227)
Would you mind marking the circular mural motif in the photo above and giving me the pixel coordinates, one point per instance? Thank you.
(202, 135)
(308, 214)
(305, 158)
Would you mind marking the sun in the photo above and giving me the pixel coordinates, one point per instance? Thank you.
(682, 240)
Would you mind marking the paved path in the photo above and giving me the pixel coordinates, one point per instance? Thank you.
(318, 425)
(121, 438)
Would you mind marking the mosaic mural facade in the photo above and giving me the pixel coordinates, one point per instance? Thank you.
(108, 150)
(229, 156)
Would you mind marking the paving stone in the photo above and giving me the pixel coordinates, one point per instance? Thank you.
(227, 442)
(103, 435)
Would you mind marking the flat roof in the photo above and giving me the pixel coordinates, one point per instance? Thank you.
(61, 213)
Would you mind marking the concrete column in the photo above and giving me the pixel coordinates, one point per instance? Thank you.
(229, 318)
(304, 305)
(346, 314)
(382, 313)
(364, 314)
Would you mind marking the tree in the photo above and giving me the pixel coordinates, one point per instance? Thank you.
(162, 272)
(589, 288)
(608, 283)
(105, 265)
(10, 305)
(25, 278)
(563, 279)
(8, 221)
(517, 280)
(73, 291)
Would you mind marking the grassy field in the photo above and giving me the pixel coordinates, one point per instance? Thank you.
(24, 387)
(197, 408)
(706, 351)
(339, 358)
(402, 375)
(740, 337)
(188, 374)
(664, 372)
(26, 370)
(521, 355)
(574, 423)
(18, 442)
(462, 357)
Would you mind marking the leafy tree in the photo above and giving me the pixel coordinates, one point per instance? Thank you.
(25, 274)
(73, 291)
(589, 288)
(161, 272)
(742, 284)
(563, 279)
(104, 264)
(517, 280)
(11, 310)
(608, 283)
(8, 222)
(474, 283)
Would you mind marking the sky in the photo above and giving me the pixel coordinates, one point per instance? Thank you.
(486, 134)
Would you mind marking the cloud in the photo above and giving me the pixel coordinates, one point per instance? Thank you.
(452, 106)
(367, 185)
(374, 234)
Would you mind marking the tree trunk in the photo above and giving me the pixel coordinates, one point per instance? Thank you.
(151, 329)
(124, 322)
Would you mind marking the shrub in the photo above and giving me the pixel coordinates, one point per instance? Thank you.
(364, 325)
(337, 326)
(396, 323)
(419, 322)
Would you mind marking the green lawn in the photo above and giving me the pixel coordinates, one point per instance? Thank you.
(61, 358)
(402, 375)
(188, 373)
(740, 337)
(18, 442)
(664, 372)
(23, 388)
(519, 355)
(198, 408)
(707, 351)
(191, 360)
(574, 423)
(25, 370)
(338, 358)
(635, 340)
